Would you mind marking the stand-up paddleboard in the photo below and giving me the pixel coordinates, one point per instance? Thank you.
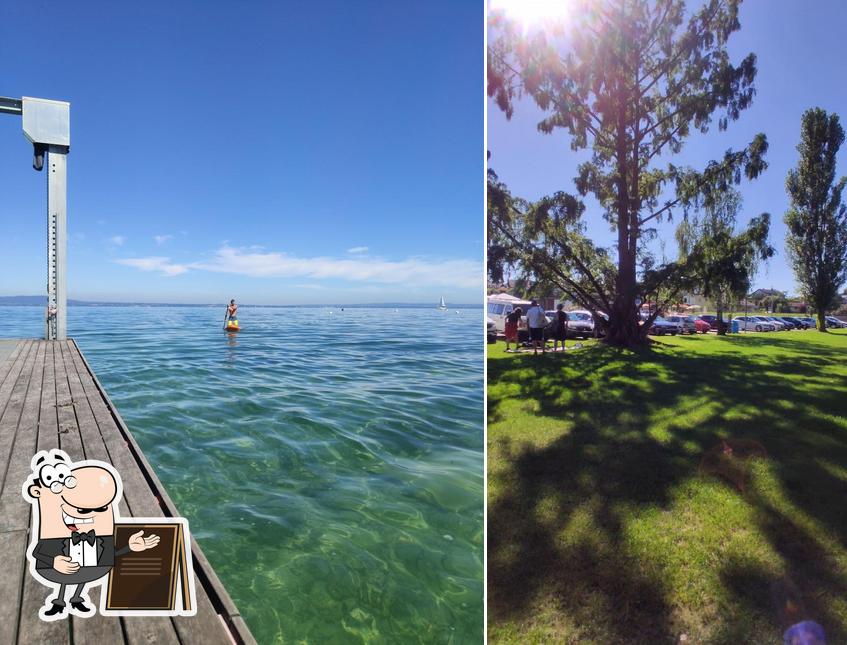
(232, 325)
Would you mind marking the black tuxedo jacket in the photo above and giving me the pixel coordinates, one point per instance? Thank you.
(46, 550)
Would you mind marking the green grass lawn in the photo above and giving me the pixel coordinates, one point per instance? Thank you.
(602, 527)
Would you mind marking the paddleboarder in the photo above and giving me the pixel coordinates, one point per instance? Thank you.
(231, 312)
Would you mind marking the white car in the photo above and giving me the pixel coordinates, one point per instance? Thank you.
(752, 323)
(580, 324)
(772, 326)
(685, 324)
(501, 305)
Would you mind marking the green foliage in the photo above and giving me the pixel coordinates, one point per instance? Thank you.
(817, 219)
(631, 80)
(546, 241)
(721, 263)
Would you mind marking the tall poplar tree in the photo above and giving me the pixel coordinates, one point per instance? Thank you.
(630, 80)
(817, 223)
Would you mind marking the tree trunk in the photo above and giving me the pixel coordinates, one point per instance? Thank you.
(721, 324)
(821, 321)
(624, 330)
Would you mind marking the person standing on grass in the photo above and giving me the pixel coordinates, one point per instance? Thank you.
(560, 332)
(536, 320)
(512, 321)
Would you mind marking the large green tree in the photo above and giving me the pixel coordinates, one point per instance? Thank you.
(721, 263)
(630, 80)
(816, 220)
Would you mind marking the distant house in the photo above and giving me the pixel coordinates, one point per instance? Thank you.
(694, 300)
(765, 298)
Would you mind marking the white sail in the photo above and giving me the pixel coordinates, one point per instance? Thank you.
(442, 304)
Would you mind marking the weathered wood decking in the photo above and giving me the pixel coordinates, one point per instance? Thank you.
(50, 398)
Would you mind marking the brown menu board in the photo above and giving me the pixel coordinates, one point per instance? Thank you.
(149, 580)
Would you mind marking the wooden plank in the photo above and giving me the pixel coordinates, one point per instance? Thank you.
(69, 436)
(11, 375)
(96, 629)
(9, 360)
(32, 628)
(13, 545)
(143, 630)
(48, 421)
(92, 440)
(13, 508)
(205, 627)
(12, 403)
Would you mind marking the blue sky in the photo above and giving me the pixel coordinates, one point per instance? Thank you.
(801, 51)
(272, 152)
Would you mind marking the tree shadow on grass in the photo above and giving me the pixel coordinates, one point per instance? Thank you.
(609, 462)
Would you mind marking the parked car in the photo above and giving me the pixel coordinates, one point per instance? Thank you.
(580, 324)
(490, 330)
(781, 325)
(752, 323)
(500, 306)
(660, 327)
(767, 325)
(712, 320)
(685, 324)
(811, 323)
(795, 323)
(832, 321)
(702, 326)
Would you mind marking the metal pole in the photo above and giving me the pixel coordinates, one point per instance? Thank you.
(57, 244)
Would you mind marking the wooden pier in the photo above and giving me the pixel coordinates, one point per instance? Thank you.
(50, 398)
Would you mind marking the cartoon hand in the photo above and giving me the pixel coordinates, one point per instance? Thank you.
(63, 564)
(138, 543)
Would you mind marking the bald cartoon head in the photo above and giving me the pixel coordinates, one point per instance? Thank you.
(72, 496)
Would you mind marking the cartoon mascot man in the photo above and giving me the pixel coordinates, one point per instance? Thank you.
(73, 519)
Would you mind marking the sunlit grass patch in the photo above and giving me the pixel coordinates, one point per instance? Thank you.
(602, 526)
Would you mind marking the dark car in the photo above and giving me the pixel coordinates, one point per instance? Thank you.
(795, 323)
(810, 323)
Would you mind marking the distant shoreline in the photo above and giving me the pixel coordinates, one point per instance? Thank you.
(41, 301)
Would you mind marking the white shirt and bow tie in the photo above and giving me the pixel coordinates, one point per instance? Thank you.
(82, 552)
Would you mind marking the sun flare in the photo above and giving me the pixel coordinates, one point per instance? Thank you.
(533, 13)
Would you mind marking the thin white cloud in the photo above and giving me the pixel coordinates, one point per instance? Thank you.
(358, 249)
(117, 240)
(256, 263)
(160, 264)
(161, 239)
(413, 271)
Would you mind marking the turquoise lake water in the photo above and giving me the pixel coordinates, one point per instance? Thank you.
(330, 463)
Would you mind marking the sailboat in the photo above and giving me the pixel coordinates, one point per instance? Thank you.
(442, 305)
